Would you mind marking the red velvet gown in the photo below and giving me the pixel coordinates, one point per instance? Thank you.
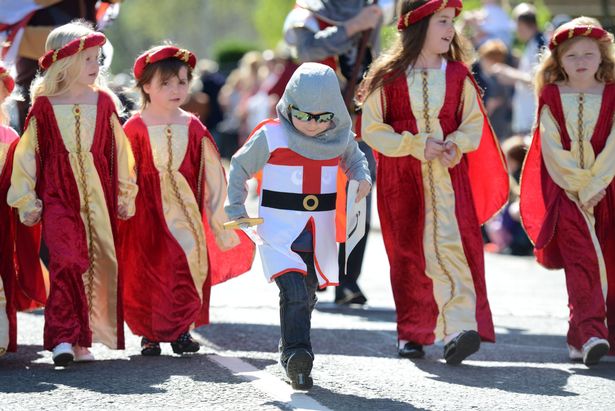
(175, 248)
(430, 214)
(79, 178)
(554, 184)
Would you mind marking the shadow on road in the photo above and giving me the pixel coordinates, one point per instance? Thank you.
(134, 375)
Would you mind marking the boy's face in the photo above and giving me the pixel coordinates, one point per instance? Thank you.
(525, 32)
(311, 127)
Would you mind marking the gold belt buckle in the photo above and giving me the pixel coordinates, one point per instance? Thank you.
(306, 202)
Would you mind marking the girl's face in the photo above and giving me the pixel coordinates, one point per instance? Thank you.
(440, 32)
(169, 94)
(89, 71)
(581, 60)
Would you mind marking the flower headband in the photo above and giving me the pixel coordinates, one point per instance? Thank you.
(427, 9)
(6, 78)
(163, 53)
(73, 47)
(579, 31)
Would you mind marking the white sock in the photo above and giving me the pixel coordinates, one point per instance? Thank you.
(450, 337)
(401, 343)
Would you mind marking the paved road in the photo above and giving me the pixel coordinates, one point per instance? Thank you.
(356, 365)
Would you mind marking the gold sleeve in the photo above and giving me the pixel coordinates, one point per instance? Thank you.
(602, 171)
(127, 187)
(468, 135)
(562, 166)
(381, 136)
(215, 195)
(22, 194)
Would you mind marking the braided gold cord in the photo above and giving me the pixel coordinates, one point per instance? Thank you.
(581, 131)
(175, 187)
(432, 191)
(201, 170)
(86, 204)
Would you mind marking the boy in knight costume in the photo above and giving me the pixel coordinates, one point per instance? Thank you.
(299, 153)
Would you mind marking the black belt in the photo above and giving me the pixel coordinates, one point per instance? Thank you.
(299, 202)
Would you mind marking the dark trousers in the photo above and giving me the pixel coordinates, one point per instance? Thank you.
(297, 300)
(350, 274)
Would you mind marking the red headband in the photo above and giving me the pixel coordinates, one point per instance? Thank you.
(163, 53)
(73, 47)
(427, 9)
(579, 31)
(6, 78)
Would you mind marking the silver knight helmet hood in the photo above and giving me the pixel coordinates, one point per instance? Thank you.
(314, 88)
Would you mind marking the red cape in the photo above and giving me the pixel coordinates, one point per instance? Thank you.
(160, 298)
(20, 268)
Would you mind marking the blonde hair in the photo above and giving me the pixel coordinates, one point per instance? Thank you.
(62, 74)
(550, 68)
(4, 115)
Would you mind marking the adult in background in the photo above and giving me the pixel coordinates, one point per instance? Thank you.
(331, 32)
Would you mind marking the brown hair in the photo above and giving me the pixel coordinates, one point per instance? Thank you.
(167, 68)
(494, 50)
(550, 69)
(405, 51)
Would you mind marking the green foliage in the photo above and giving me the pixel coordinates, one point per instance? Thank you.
(269, 18)
(228, 53)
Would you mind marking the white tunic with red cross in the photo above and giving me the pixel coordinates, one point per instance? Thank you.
(297, 192)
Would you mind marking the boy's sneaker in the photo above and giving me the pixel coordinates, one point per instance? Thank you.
(574, 354)
(185, 344)
(83, 354)
(63, 354)
(298, 369)
(594, 349)
(149, 348)
(411, 350)
(461, 347)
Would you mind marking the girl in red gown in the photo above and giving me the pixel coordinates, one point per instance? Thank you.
(175, 247)
(567, 190)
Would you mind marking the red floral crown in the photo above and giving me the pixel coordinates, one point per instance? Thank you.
(163, 53)
(6, 78)
(427, 9)
(73, 47)
(579, 31)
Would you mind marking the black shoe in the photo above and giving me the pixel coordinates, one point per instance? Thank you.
(298, 369)
(411, 350)
(149, 348)
(346, 296)
(185, 344)
(461, 347)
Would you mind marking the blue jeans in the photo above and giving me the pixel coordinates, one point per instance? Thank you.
(297, 300)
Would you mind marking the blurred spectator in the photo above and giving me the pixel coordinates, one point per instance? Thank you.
(524, 105)
(211, 82)
(488, 23)
(505, 233)
(497, 96)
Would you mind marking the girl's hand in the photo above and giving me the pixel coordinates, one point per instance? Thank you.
(433, 149)
(363, 190)
(450, 156)
(34, 216)
(593, 202)
(122, 212)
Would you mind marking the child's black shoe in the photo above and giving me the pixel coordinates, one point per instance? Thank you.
(461, 347)
(298, 369)
(411, 350)
(185, 344)
(149, 348)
